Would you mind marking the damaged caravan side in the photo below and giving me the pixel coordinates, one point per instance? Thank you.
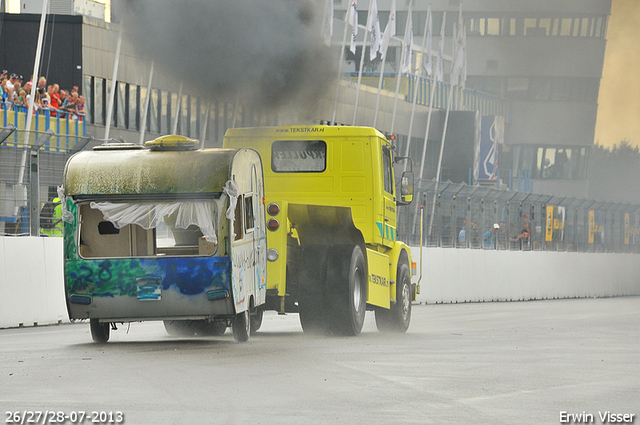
(165, 232)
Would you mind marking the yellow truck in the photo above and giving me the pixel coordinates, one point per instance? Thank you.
(331, 204)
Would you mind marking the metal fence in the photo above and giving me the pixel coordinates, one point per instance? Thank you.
(552, 222)
(32, 165)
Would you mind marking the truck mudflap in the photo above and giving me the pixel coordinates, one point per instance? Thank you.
(379, 283)
(126, 289)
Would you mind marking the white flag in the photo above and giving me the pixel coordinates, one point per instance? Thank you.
(453, 79)
(439, 65)
(389, 30)
(408, 49)
(428, 66)
(459, 59)
(463, 70)
(374, 27)
(353, 21)
(328, 23)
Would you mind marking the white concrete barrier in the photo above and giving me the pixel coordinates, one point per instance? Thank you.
(464, 275)
(31, 282)
(32, 288)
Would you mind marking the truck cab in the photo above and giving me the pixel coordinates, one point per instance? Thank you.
(331, 219)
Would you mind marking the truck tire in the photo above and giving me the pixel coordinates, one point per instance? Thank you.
(398, 317)
(99, 331)
(311, 293)
(256, 320)
(347, 278)
(241, 326)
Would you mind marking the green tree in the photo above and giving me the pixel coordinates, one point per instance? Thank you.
(614, 173)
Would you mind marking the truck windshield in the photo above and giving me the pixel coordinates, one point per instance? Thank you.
(120, 229)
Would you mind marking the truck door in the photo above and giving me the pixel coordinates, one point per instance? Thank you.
(259, 236)
(389, 225)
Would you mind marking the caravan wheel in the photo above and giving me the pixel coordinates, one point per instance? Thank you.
(99, 331)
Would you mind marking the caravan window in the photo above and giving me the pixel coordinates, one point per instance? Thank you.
(249, 217)
(144, 229)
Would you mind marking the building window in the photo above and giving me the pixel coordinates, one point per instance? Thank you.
(551, 162)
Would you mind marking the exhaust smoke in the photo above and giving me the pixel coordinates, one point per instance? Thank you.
(266, 54)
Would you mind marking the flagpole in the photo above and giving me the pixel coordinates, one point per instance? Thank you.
(203, 130)
(415, 87)
(404, 46)
(174, 127)
(112, 93)
(375, 114)
(146, 105)
(32, 99)
(452, 85)
(364, 45)
(385, 46)
(340, 64)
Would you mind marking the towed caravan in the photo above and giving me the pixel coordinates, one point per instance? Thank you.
(165, 232)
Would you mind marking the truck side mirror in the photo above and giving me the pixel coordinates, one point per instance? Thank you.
(406, 188)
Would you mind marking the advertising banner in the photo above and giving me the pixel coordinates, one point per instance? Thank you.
(491, 136)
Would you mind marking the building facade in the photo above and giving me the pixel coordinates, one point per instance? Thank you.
(540, 62)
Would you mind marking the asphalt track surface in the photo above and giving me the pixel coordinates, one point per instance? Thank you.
(478, 363)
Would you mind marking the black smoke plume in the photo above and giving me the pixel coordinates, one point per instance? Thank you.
(267, 53)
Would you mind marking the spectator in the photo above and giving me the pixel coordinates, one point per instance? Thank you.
(523, 239)
(71, 103)
(13, 78)
(490, 237)
(42, 100)
(42, 83)
(80, 109)
(462, 236)
(53, 101)
(16, 88)
(56, 102)
(21, 100)
(64, 98)
(525, 234)
(3, 87)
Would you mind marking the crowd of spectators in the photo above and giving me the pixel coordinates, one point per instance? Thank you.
(47, 98)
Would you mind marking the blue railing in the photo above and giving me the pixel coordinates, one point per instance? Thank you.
(66, 125)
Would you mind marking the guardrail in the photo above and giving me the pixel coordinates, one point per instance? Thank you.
(62, 122)
(32, 165)
(459, 216)
(31, 168)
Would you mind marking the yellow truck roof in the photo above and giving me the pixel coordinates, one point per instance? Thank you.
(296, 131)
(143, 171)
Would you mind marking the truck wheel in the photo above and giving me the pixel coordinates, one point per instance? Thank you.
(256, 320)
(99, 331)
(398, 317)
(347, 275)
(312, 316)
(241, 326)
(311, 295)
